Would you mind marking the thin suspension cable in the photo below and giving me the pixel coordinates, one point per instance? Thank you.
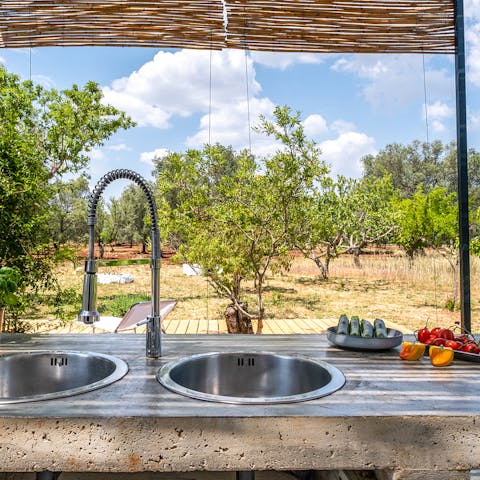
(210, 99)
(248, 105)
(425, 97)
(435, 279)
(209, 146)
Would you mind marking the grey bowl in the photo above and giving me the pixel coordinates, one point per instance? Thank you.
(394, 338)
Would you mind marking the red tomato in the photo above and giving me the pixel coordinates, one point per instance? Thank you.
(464, 338)
(435, 331)
(438, 341)
(446, 333)
(471, 347)
(423, 334)
(453, 344)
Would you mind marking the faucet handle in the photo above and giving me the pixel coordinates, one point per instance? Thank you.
(144, 321)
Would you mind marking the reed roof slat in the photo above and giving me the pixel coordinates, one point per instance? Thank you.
(405, 26)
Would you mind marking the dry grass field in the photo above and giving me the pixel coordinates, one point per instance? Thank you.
(387, 287)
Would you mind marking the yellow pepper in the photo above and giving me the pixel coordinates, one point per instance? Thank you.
(412, 351)
(441, 356)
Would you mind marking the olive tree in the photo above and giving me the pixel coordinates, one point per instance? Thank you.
(237, 216)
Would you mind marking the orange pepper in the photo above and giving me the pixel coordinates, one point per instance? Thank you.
(441, 356)
(412, 351)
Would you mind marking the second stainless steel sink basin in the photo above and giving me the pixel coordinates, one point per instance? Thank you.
(32, 376)
(250, 378)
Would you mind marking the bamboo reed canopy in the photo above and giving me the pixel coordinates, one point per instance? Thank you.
(370, 26)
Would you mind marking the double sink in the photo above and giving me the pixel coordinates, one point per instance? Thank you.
(239, 377)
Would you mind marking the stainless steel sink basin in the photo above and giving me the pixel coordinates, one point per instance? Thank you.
(250, 378)
(31, 376)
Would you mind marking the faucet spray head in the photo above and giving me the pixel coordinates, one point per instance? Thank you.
(89, 312)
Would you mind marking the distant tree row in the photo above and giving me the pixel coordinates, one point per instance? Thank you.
(239, 217)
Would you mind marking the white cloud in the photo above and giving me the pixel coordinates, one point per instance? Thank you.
(3, 61)
(438, 126)
(179, 84)
(144, 113)
(473, 121)
(120, 147)
(472, 38)
(472, 9)
(284, 60)
(342, 126)
(229, 125)
(44, 81)
(314, 125)
(367, 67)
(396, 80)
(440, 110)
(437, 113)
(96, 155)
(344, 153)
(148, 157)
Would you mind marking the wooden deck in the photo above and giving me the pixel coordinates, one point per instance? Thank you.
(194, 327)
(270, 326)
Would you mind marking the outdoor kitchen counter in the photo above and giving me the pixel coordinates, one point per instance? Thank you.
(405, 417)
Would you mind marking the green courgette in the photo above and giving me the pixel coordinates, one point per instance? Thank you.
(366, 329)
(380, 328)
(355, 326)
(342, 327)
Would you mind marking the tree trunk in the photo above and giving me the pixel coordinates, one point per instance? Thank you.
(326, 266)
(454, 266)
(323, 268)
(261, 306)
(2, 313)
(237, 322)
(356, 257)
(410, 254)
(102, 249)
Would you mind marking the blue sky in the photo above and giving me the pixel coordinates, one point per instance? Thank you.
(351, 105)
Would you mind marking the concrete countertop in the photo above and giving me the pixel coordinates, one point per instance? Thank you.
(401, 416)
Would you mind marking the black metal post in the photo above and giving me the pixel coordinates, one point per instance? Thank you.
(462, 167)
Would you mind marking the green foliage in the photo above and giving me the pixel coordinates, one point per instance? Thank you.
(427, 220)
(133, 220)
(431, 165)
(71, 122)
(118, 305)
(475, 246)
(43, 135)
(370, 216)
(237, 217)
(191, 198)
(65, 304)
(9, 280)
(346, 215)
(68, 211)
(409, 165)
(320, 235)
(450, 305)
